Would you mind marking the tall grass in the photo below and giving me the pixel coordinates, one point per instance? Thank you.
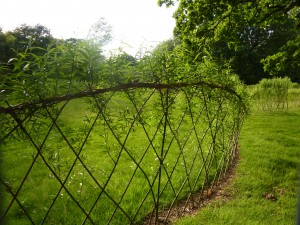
(294, 95)
(273, 94)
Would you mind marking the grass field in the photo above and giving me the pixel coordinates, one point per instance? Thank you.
(265, 187)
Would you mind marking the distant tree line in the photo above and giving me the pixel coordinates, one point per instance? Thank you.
(17, 40)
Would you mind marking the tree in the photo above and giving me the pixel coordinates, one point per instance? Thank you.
(206, 19)
(100, 33)
(286, 62)
(253, 45)
(24, 37)
(32, 36)
(239, 27)
(7, 43)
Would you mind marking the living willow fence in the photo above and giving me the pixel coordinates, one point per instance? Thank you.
(122, 155)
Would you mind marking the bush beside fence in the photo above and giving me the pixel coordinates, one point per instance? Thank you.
(274, 94)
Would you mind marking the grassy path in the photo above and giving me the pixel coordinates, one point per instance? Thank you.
(265, 188)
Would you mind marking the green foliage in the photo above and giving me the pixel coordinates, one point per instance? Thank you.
(22, 38)
(7, 42)
(286, 61)
(242, 33)
(166, 46)
(172, 62)
(77, 65)
(67, 68)
(272, 93)
(120, 69)
(168, 63)
(39, 37)
(200, 20)
(251, 46)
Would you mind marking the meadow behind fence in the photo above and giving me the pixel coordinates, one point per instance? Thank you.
(120, 154)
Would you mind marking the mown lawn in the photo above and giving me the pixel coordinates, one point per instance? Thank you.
(265, 187)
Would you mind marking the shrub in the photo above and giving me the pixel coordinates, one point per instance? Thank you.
(272, 93)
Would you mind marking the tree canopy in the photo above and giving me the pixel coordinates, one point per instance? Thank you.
(243, 32)
(23, 37)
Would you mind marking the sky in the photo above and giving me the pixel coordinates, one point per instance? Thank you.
(135, 23)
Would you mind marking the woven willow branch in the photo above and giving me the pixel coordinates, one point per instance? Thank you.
(122, 87)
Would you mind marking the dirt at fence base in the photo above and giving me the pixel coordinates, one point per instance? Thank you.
(199, 200)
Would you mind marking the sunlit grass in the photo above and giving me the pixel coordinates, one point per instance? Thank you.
(269, 164)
